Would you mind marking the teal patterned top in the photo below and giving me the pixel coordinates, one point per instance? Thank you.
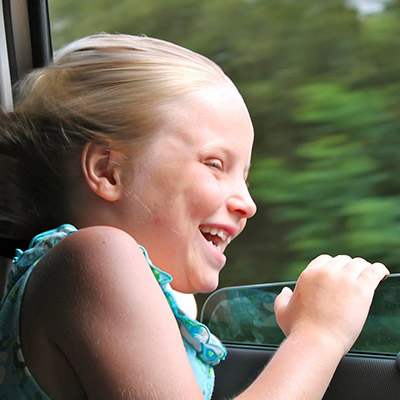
(204, 350)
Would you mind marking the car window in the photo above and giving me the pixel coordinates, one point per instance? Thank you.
(6, 99)
(246, 315)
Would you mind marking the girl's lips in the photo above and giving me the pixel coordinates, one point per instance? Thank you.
(216, 250)
(221, 233)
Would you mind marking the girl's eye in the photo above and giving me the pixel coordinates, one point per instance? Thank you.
(214, 163)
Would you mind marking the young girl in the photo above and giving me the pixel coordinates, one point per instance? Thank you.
(126, 142)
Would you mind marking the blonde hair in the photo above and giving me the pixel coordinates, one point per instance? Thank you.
(112, 89)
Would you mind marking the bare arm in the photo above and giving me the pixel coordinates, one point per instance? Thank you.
(322, 319)
(122, 340)
(118, 331)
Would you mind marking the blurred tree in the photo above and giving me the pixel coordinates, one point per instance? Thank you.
(336, 193)
(322, 83)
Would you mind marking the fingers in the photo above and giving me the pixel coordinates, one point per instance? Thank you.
(361, 269)
(281, 304)
(375, 273)
(332, 296)
(321, 260)
(340, 261)
(282, 300)
(357, 267)
(325, 260)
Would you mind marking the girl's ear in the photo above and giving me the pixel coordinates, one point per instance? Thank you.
(102, 170)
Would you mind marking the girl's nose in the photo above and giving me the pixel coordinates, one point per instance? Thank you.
(242, 203)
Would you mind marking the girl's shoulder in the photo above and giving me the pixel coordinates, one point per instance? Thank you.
(94, 305)
(100, 260)
(91, 258)
(98, 241)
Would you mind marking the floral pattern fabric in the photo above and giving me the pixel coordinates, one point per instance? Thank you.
(202, 347)
(204, 350)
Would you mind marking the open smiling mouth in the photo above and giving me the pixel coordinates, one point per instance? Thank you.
(219, 238)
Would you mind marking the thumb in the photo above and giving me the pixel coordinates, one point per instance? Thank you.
(282, 300)
(281, 303)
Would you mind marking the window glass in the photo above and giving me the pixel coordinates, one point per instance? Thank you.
(246, 315)
(322, 83)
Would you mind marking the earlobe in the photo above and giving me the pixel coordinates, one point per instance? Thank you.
(101, 169)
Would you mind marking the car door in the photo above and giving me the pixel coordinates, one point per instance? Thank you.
(25, 43)
(242, 316)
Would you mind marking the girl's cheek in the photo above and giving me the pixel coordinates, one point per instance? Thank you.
(158, 221)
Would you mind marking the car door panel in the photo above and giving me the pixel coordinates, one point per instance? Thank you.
(358, 377)
(243, 317)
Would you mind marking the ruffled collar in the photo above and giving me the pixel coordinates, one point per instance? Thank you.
(38, 247)
(208, 347)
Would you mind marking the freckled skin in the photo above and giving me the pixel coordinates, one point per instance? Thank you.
(190, 191)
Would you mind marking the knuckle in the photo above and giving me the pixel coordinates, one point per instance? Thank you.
(314, 274)
(322, 258)
(380, 269)
(380, 266)
(342, 259)
(374, 274)
(360, 260)
(359, 263)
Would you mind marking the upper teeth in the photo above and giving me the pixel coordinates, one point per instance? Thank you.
(219, 232)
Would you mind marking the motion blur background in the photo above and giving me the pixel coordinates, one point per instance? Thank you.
(321, 79)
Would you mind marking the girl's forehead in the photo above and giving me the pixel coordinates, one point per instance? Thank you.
(217, 110)
(215, 124)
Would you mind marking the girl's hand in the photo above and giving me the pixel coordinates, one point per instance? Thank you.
(332, 297)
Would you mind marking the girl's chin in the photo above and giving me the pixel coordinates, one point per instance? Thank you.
(207, 286)
(200, 286)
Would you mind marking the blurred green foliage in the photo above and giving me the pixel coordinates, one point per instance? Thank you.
(322, 83)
